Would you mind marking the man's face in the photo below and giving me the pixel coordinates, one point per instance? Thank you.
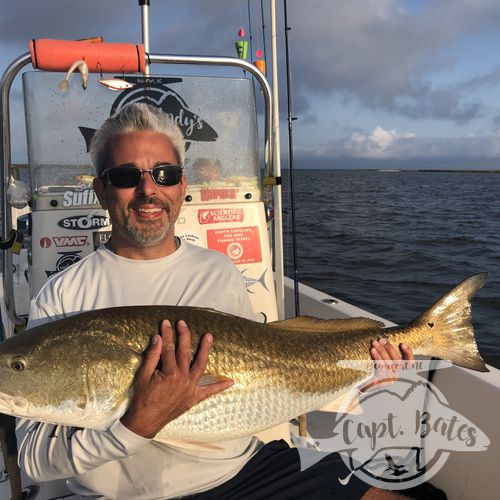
(144, 215)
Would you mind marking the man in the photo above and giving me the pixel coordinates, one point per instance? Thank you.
(138, 155)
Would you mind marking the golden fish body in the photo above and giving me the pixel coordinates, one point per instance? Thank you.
(79, 371)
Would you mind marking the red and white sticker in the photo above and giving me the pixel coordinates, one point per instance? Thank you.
(240, 244)
(220, 215)
(208, 194)
(64, 241)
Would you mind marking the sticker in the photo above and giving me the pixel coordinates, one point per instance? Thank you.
(240, 244)
(208, 194)
(79, 198)
(45, 242)
(79, 222)
(156, 91)
(219, 215)
(100, 238)
(190, 237)
(250, 282)
(70, 241)
(66, 260)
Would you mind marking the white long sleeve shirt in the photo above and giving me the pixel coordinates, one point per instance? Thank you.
(117, 463)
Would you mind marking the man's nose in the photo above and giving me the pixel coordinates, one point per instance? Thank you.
(147, 185)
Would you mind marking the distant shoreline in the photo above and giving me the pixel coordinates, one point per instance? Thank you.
(397, 170)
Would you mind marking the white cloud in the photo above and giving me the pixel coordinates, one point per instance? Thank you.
(380, 143)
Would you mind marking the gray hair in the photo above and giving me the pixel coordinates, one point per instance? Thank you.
(132, 118)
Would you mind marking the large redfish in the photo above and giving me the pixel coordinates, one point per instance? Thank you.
(79, 371)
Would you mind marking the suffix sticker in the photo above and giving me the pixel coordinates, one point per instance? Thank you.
(79, 198)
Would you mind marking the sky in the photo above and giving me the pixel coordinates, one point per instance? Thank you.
(375, 83)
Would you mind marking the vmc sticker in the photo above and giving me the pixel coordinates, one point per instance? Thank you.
(240, 244)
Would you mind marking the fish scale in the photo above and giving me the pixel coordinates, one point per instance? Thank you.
(79, 370)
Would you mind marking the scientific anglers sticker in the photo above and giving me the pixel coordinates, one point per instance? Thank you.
(403, 435)
(220, 215)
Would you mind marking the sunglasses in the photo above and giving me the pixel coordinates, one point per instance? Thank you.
(128, 176)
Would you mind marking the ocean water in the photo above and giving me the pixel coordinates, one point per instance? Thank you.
(394, 242)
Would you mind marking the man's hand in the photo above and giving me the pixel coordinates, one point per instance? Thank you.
(386, 364)
(161, 395)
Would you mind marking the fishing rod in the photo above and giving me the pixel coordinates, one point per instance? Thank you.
(291, 119)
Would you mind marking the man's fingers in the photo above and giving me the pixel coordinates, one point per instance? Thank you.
(209, 390)
(381, 353)
(201, 359)
(152, 357)
(392, 352)
(406, 351)
(183, 352)
(168, 350)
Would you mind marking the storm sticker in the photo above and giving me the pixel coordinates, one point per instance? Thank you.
(79, 222)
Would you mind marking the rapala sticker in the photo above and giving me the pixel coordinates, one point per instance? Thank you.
(79, 198)
(79, 222)
(208, 194)
(220, 215)
(240, 244)
(100, 237)
(66, 260)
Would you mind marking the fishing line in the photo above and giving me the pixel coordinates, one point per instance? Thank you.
(250, 27)
(263, 31)
(291, 118)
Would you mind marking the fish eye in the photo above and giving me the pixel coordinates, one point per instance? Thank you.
(18, 364)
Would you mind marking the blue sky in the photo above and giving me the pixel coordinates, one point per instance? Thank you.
(376, 82)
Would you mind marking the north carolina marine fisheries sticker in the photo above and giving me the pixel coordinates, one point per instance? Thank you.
(240, 244)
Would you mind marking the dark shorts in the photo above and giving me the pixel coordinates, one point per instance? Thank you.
(274, 473)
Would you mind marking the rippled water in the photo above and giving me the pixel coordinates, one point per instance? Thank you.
(393, 242)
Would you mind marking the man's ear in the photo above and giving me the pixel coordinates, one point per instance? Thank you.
(100, 191)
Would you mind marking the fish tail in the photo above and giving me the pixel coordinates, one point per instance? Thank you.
(448, 323)
(262, 280)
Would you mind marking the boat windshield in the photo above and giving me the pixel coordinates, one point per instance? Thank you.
(217, 116)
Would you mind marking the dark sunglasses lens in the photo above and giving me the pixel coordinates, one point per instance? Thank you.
(167, 175)
(124, 177)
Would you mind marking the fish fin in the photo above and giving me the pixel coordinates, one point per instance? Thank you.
(87, 133)
(347, 403)
(448, 323)
(211, 378)
(189, 445)
(311, 324)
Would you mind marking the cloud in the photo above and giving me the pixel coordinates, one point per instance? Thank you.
(382, 144)
(385, 57)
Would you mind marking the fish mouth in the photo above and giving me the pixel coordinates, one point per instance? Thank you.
(13, 405)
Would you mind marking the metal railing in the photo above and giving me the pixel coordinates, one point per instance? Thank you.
(5, 86)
